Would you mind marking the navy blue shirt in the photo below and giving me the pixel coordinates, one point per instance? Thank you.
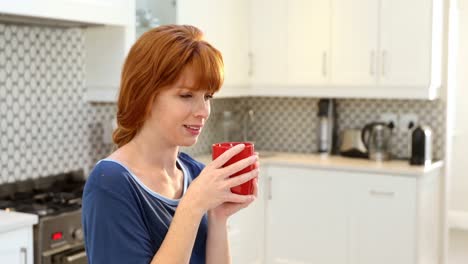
(126, 222)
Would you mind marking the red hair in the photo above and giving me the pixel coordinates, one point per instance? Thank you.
(156, 61)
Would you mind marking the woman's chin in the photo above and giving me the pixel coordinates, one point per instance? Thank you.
(189, 143)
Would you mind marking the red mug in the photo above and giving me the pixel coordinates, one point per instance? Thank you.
(246, 188)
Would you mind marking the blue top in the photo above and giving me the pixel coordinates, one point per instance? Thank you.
(126, 222)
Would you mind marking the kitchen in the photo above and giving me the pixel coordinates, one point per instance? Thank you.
(59, 73)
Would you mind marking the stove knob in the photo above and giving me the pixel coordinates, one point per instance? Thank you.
(78, 234)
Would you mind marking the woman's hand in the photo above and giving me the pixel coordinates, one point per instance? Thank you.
(212, 187)
(225, 210)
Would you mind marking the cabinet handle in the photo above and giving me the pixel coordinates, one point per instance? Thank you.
(270, 192)
(381, 193)
(384, 61)
(324, 63)
(250, 71)
(372, 63)
(24, 253)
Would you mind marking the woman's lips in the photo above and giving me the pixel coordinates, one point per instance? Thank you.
(193, 129)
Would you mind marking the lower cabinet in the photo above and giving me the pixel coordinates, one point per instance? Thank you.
(16, 246)
(382, 219)
(306, 215)
(246, 231)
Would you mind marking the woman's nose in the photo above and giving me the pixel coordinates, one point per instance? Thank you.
(202, 108)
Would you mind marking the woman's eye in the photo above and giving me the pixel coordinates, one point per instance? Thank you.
(186, 95)
(208, 96)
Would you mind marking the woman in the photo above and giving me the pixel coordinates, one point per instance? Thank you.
(147, 202)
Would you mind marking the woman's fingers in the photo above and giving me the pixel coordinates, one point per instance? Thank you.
(238, 180)
(238, 198)
(227, 155)
(238, 166)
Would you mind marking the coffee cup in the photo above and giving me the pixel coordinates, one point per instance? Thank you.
(246, 188)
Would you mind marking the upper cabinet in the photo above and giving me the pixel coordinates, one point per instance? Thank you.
(340, 48)
(411, 45)
(316, 48)
(282, 52)
(67, 12)
(225, 24)
(268, 43)
(308, 51)
(387, 49)
(354, 47)
(108, 26)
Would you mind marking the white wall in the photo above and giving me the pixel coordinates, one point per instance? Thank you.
(459, 180)
(458, 244)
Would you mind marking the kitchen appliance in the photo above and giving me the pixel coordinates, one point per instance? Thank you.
(352, 145)
(421, 146)
(327, 125)
(376, 137)
(56, 199)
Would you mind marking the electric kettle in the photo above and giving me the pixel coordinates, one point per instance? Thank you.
(376, 137)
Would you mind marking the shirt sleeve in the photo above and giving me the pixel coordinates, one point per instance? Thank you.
(114, 231)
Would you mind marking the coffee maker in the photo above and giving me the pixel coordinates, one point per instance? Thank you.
(421, 146)
(327, 126)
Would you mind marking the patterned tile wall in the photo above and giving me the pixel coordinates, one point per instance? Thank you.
(42, 111)
(46, 127)
(290, 124)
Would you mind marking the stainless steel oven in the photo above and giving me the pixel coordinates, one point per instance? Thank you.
(60, 239)
(56, 199)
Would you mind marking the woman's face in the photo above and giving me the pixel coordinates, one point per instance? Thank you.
(179, 112)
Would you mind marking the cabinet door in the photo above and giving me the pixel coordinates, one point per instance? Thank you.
(383, 217)
(406, 41)
(268, 42)
(308, 41)
(246, 231)
(306, 216)
(225, 25)
(16, 246)
(354, 42)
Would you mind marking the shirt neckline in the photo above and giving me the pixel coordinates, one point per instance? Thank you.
(147, 189)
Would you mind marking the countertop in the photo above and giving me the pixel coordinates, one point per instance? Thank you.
(330, 162)
(14, 220)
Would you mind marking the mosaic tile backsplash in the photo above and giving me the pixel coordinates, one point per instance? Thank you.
(46, 126)
(290, 124)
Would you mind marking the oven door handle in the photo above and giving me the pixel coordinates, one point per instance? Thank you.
(74, 257)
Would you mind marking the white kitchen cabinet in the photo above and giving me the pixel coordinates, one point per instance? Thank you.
(333, 216)
(405, 43)
(383, 219)
(308, 46)
(268, 44)
(246, 231)
(225, 24)
(387, 49)
(16, 237)
(16, 246)
(109, 28)
(354, 43)
(340, 48)
(67, 12)
(306, 216)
